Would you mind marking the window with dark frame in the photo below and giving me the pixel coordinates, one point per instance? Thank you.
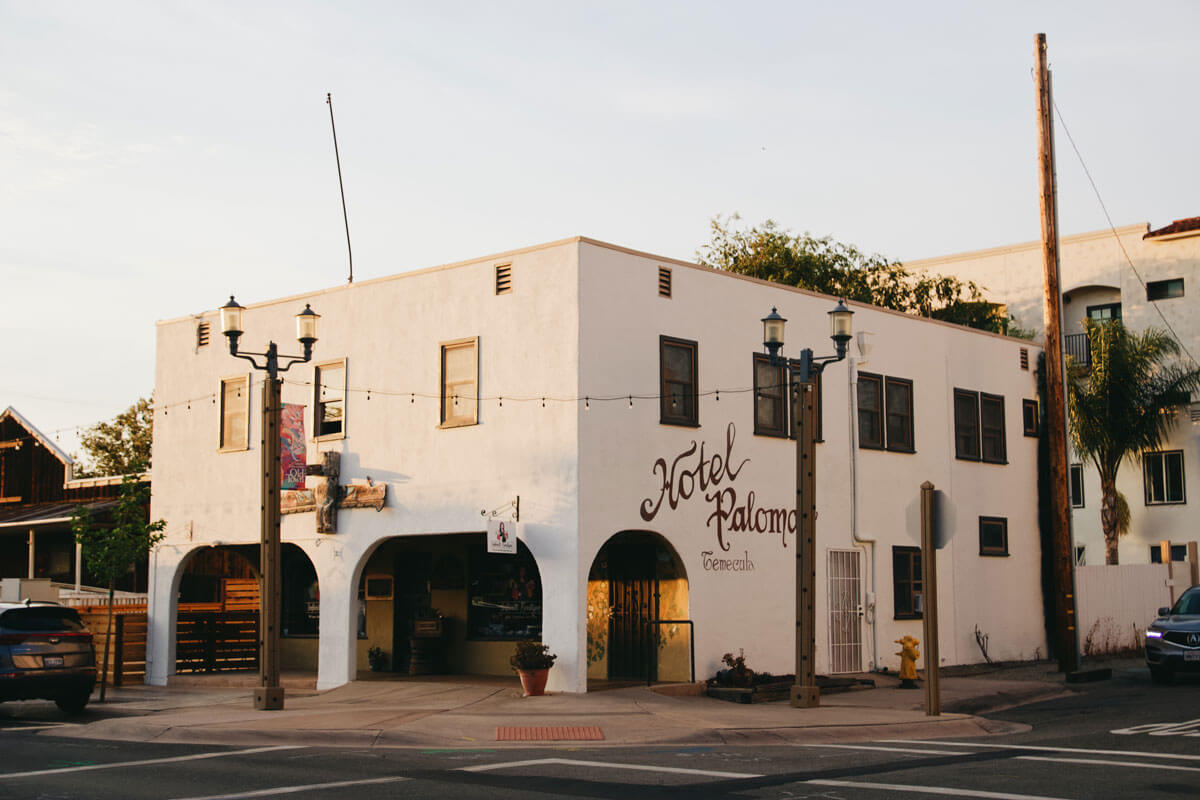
(1163, 476)
(1164, 290)
(993, 536)
(770, 397)
(966, 425)
(329, 387)
(1178, 553)
(870, 411)
(991, 429)
(907, 591)
(678, 403)
(1029, 417)
(1077, 485)
(898, 405)
(1104, 312)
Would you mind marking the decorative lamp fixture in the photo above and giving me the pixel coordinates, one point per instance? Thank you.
(773, 332)
(306, 329)
(231, 323)
(841, 324)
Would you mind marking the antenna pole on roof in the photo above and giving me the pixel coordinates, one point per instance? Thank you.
(349, 252)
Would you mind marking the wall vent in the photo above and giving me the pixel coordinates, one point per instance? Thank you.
(202, 332)
(503, 278)
(1025, 358)
(664, 282)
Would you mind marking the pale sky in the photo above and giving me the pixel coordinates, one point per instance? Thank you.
(157, 157)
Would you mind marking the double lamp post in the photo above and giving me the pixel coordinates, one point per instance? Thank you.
(269, 694)
(802, 374)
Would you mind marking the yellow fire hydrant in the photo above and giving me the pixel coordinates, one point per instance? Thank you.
(908, 662)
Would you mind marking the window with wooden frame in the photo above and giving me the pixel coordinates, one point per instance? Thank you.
(885, 413)
(1163, 475)
(993, 536)
(235, 414)
(460, 383)
(329, 400)
(870, 411)
(966, 425)
(907, 589)
(770, 397)
(678, 403)
(1077, 485)
(1029, 417)
(993, 443)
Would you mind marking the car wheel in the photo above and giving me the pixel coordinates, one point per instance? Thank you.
(1160, 675)
(73, 703)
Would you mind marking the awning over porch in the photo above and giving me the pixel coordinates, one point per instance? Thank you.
(43, 515)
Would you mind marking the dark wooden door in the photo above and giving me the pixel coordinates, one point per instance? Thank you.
(633, 598)
(411, 593)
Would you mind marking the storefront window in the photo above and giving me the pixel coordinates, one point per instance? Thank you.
(504, 596)
(301, 606)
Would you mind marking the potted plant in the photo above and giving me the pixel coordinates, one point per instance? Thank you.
(377, 659)
(532, 661)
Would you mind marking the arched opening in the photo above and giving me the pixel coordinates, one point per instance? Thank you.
(217, 614)
(638, 611)
(442, 604)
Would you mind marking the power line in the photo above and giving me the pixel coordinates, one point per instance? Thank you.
(1120, 244)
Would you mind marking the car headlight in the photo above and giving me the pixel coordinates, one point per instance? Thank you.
(1153, 634)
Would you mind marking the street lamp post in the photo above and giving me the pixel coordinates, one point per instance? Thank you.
(802, 374)
(269, 695)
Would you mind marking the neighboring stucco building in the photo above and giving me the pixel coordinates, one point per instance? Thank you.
(1146, 278)
(622, 398)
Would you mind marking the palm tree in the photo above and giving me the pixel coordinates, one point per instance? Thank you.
(1124, 405)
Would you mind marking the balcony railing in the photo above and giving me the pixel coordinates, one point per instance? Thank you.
(1077, 347)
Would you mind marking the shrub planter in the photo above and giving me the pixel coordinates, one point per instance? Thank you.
(532, 661)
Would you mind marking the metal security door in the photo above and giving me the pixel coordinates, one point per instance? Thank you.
(845, 611)
(633, 599)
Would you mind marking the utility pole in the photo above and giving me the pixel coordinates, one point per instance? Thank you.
(269, 694)
(1066, 633)
(805, 693)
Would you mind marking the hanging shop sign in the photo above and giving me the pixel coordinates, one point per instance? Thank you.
(502, 536)
(293, 450)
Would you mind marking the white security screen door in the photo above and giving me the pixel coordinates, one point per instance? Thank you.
(845, 611)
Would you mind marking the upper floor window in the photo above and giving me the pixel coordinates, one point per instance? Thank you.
(329, 399)
(1029, 417)
(1163, 474)
(1164, 290)
(678, 404)
(885, 412)
(1178, 553)
(979, 433)
(460, 382)
(770, 397)
(1077, 485)
(1104, 312)
(235, 413)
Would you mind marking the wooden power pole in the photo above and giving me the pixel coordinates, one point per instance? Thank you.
(1066, 634)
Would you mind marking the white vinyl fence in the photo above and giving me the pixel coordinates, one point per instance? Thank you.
(1114, 604)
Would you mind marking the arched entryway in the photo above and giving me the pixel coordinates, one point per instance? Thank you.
(442, 604)
(638, 611)
(217, 614)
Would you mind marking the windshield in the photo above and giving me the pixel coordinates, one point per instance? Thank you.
(1188, 603)
(41, 618)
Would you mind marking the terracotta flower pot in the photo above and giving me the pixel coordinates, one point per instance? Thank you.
(533, 681)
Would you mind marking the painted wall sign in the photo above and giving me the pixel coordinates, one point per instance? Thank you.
(693, 471)
(718, 564)
(502, 536)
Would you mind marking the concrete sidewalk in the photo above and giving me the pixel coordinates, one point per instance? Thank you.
(492, 713)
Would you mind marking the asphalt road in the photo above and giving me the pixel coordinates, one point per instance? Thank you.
(1119, 739)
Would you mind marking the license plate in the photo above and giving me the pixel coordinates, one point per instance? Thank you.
(57, 661)
(1192, 656)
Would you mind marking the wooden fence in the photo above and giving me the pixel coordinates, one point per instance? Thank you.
(127, 653)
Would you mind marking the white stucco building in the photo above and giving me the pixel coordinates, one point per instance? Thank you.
(1146, 278)
(613, 392)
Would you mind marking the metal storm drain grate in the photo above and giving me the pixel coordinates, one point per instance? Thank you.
(553, 733)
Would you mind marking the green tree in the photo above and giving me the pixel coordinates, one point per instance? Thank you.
(121, 445)
(113, 545)
(1124, 405)
(772, 253)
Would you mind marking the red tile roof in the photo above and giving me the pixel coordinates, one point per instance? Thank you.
(1178, 226)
